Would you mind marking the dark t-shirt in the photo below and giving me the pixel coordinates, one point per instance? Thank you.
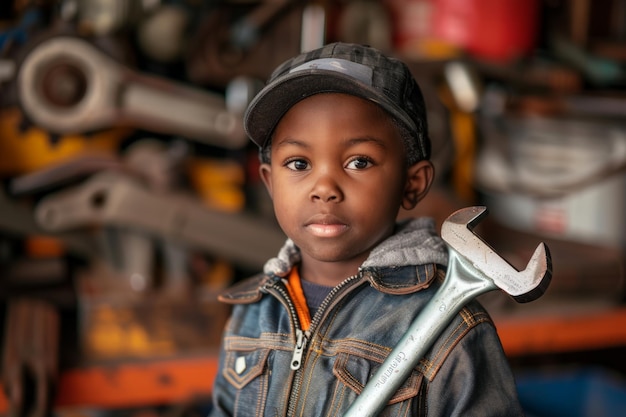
(314, 295)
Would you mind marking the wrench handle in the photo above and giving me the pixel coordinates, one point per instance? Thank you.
(460, 286)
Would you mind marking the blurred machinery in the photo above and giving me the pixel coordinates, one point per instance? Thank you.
(126, 201)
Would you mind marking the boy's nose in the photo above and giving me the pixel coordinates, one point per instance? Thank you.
(326, 189)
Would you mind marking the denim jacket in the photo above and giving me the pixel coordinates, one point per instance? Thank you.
(270, 367)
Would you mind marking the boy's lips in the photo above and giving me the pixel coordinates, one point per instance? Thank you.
(325, 225)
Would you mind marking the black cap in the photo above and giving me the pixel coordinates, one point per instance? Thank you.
(353, 69)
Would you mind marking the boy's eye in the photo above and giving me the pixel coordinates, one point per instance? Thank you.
(297, 164)
(360, 162)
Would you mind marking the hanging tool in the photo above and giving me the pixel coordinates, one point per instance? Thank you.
(66, 85)
(112, 198)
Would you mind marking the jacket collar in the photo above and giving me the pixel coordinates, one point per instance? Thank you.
(415, 242)
(403, 263)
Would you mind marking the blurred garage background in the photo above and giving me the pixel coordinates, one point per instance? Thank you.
(129, 193)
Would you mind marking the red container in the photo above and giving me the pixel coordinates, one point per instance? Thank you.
(499, 30)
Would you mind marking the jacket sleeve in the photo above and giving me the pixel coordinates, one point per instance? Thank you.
(474, 380)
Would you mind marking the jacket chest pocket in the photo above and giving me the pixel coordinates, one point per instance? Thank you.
(247, 372)
(243, 367)
(353, 372)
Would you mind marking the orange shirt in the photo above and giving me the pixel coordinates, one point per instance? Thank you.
(294, 287)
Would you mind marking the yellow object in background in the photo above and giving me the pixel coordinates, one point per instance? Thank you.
(30, 150)
(463, 129)
(219, 183)
(117, 331)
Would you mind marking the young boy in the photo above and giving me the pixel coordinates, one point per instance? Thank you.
(343, 144)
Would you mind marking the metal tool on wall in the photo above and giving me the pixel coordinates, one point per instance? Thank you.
(67, 85)
(115, 199)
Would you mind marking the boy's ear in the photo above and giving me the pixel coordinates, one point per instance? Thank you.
(419, 179)
(265, 171)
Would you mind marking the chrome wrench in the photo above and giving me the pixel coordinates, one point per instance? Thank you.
(474, 268)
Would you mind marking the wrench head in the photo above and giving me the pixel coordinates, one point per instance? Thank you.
(483, 261)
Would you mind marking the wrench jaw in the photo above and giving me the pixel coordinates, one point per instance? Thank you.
(523, 286)
(539, 266)
(467, 217)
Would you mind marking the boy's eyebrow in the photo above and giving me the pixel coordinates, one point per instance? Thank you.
(366, 139)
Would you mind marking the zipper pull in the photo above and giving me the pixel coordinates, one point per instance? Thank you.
(296, 359)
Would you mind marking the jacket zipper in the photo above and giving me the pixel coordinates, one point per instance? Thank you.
(278, 289)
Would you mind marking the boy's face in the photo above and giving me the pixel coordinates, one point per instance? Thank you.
(337, 177)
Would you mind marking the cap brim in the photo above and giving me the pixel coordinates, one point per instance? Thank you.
(273, 101)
